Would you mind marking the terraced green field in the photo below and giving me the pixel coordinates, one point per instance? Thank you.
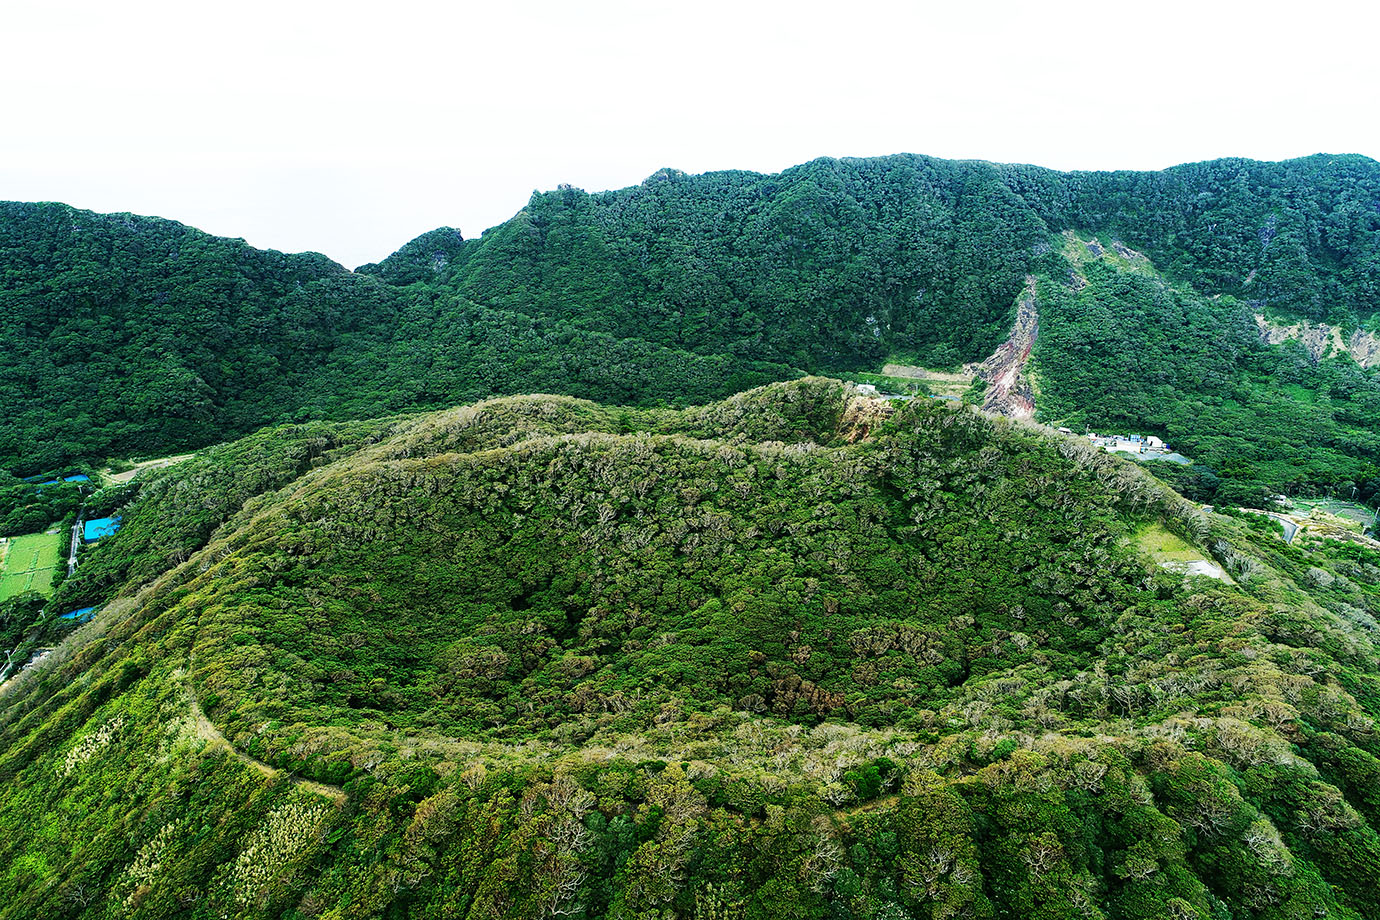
(28, 563)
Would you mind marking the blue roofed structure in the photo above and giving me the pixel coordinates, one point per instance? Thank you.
(80, 477)
(97, 528)
(81, 616)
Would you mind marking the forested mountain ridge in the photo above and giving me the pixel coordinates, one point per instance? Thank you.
(793, 654)
(933, 250)
(688, 288)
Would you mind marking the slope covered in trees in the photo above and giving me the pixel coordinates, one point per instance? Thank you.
(795, 654)
(130, 335)
(1121, 349)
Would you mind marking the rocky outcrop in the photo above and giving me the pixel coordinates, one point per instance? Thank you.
(1321, 340)
(1009, 388)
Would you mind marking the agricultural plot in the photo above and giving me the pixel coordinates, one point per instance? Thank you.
(28, 563)
(1357, 514)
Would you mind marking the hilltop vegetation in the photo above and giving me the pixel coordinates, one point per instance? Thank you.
(130, 336)
(137, 336)
(794, 654)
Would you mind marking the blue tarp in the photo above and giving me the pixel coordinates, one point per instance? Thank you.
(96, 528)
(81, 616)
(80, 477)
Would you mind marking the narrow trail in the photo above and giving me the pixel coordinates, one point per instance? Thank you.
(206, 730)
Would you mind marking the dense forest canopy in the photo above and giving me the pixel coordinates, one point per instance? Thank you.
(128, 335)
(795, 654)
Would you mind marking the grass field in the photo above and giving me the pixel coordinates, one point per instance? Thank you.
(28, 563)
(911, 380)
(1163, 546)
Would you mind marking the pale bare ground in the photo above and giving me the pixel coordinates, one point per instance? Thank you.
(156, 464)
(1320, 339)
(1011, 390)
(921, 373)
(206, 730)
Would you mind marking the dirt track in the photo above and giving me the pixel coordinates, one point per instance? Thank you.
(207, 731)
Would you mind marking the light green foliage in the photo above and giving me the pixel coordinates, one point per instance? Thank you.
(1163, 546)
(29, 564)
(788, 655)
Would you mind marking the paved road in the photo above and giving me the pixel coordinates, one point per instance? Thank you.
(1291, 527)
(76, 539)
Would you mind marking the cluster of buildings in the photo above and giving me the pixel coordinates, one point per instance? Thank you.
(1126, 444)
(1148, 447)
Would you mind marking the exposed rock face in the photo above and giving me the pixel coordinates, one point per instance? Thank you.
(1009, 390)
(1320, 340)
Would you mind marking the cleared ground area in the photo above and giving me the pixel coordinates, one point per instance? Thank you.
(110, 476)
(27, 563)
(1176, 555)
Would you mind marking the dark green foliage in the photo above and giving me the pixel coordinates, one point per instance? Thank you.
(1123, 351)
(26, 507)
(834, 263)
(130, 336)
(686, 289)
(425, 259)
(19, 615)
(127, 335)
(1300, 235)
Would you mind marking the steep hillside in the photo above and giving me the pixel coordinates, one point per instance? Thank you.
(794, 654)
(1122, 348)
(128, 336)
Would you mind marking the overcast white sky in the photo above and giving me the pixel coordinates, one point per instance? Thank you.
(349, 128)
